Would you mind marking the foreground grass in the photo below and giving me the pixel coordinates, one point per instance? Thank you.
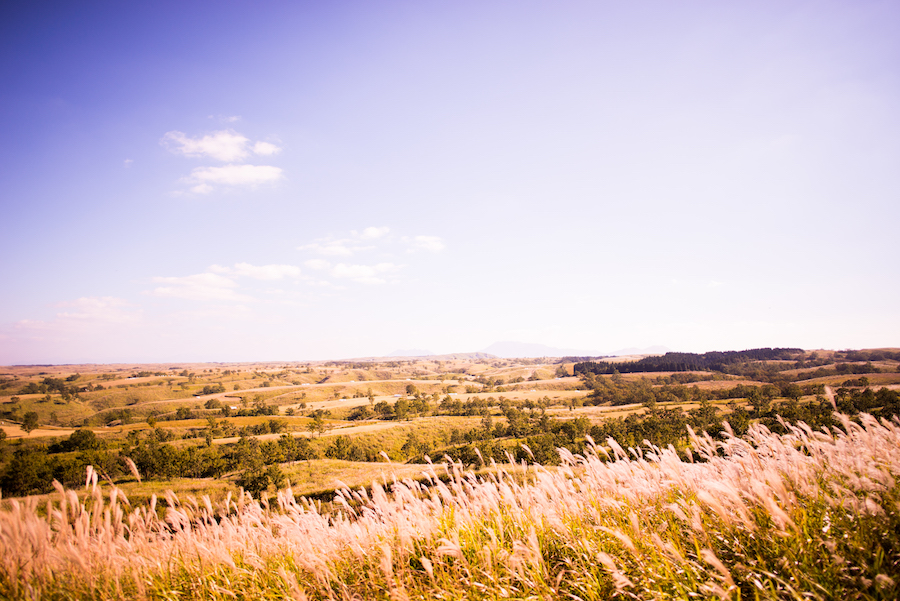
(809, 515)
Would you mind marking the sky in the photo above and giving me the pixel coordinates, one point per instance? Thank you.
(237, 181)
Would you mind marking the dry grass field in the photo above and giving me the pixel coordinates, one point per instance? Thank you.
(802, 515)
(654, 523)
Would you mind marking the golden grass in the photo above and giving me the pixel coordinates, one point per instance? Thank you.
(318, 475)
(808, 515)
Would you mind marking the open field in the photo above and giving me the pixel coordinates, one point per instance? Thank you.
(220, 436)
(752, 520)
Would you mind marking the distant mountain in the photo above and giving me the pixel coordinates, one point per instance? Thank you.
(650, 350)
(415, 352)
(512, 350)
(462, 356)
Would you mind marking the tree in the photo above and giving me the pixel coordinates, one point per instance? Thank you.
(83, 440)
(30, 421)
(401, 408)
(257, 480)
(759, 401)
(28, 472)
(792, 391)
(384, 409)
(318, 422)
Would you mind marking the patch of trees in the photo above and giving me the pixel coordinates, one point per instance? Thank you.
(873, 355)
(252, 457)
(712, 361)
(349, 449)
(687, 378)
(402, 408)
(259, 408)
(581, 359)
(110, 416)
(32, 468)
(494, 440)
(50, 385)
(619, 391)
(212, 389)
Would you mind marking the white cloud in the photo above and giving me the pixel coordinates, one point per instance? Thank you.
(266, 272)
(96, 309)
(345, 247)
(430, 243)
(317, 264)
(265, 149)
(364, 274)
(200, 287)
(339, 248)
(371, 233)
(128, 162)
(226, 145)
(205, 179)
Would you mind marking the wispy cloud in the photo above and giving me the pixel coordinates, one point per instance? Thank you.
(198, 287)
(318, 264)
(82, 323)
(227, 146)
(224, 145)
(219, 283)
(430, 243)
(376, 241)
(372, 233)
(336, 248)
(107, 309)
(259, 272)
(265, 149)
(363, 274)
(204, 180)
(345, 247)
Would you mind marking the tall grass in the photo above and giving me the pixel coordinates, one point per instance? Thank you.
(806, 515)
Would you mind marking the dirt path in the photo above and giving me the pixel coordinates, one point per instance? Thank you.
(15, 431)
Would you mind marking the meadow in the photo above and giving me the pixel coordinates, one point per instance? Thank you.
(807, 514)
(469, 478)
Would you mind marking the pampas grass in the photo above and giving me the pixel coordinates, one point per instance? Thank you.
(808, 514)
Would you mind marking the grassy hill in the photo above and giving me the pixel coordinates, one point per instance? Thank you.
(397, 472)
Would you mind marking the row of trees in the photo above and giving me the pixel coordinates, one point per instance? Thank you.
(712, 361)
(740, 363)
(616, 390)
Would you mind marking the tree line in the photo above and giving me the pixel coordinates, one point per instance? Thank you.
(712, 361)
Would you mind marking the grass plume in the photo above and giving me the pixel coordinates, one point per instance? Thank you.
(808, 514)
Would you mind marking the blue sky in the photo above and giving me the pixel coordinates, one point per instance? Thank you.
(234, 181)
